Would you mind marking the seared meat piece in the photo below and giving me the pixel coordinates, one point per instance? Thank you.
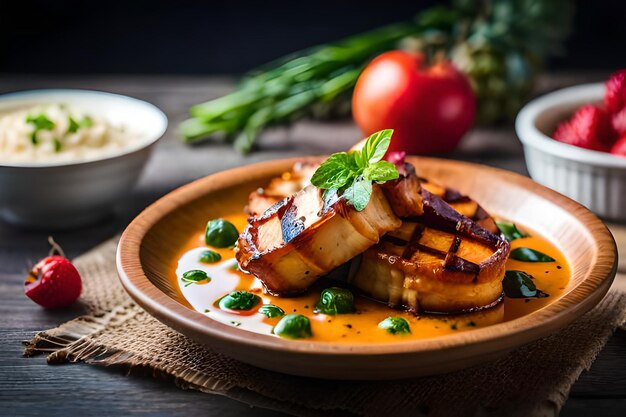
(441, 261)
(303, 237)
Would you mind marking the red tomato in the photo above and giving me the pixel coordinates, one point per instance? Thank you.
(429, 107)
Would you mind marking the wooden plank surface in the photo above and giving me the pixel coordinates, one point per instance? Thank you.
(29, 387)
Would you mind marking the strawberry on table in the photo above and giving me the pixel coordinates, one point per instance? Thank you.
(619, 149)
(590, 128)
(615, 95)
(53, 282)
(618, 120)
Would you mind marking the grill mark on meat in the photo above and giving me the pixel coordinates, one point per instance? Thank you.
(413, 243)
(394, 240)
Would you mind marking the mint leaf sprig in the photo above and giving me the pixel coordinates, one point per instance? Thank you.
(351, 174)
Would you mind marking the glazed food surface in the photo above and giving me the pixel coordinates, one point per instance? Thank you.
(362, 325)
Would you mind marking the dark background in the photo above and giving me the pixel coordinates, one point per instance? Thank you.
(220, 37)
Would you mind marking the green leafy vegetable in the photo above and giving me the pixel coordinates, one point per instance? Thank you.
(293, 326)
(510, 231)
(518, 284)
(270, 311)
(194, 276)
(221, 233)
(529, 255)
(86, 122)
(239, 300)
(335, 300)
(209, 257)
(499, 44)
(352, 173)
(73, 125)
(40, 121)
(57, 145)
(395, 325)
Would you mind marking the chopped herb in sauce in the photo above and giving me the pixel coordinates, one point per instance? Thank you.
(239, 300)
(530, 255)
(221, 233)
(270, 311)
(335, 300)
(209, 257)
(293, 326)
(510, 231)
(194, 276)
(395, 325)
(518, 284)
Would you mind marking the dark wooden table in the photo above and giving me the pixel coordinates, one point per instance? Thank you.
(30, 387)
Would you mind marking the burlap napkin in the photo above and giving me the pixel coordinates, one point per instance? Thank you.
(531, 381)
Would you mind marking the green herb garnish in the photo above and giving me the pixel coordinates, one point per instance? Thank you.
(518, 284)
(194, 276)
(57, 145)
(209, 257)
(510, 231)
(335, 301)
(293, 326)
(86, 122)
(395, 325)
(73, 125)
(352, 174)
(529, 255)
(270, 311)
(221, 233)
(40, 121)
(239, 300)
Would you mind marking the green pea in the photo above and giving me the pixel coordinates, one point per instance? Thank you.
(270, 311)
(239, 300)
(293, 326)
(209, 257)
(194, 276)
(220, 233)
(395, 325)
(335, 300)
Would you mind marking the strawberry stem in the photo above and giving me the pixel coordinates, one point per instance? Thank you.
(55, 248)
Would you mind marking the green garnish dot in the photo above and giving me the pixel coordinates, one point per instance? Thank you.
(33, 138)
(510, 231)
(57, 145)
(209, 257)
(530, 255)
(470, 324)
(40, 121)
(86, 122)
(239, 300)
(395, 325)
(351, 174)
(194, 276)
(453, 326)
(236, 323)
(73, 125)
(270, 311)
(206, 310)
(335, 300)
(220, 233)
(518, 284)
(293, 326)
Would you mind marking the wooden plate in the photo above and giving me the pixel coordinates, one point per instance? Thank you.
(153, 240)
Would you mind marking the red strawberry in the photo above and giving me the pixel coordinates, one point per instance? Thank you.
(619, 149)
(54, 282)
(618, 121)
(615, 95)
(590, 128)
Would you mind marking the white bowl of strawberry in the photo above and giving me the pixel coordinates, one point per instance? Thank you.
(575, 143)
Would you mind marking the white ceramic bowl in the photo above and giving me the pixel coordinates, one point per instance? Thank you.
(64, 195)
(595, 179)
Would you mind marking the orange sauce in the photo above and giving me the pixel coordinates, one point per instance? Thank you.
(362, 326)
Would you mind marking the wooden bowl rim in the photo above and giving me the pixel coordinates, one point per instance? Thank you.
(508, 334)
